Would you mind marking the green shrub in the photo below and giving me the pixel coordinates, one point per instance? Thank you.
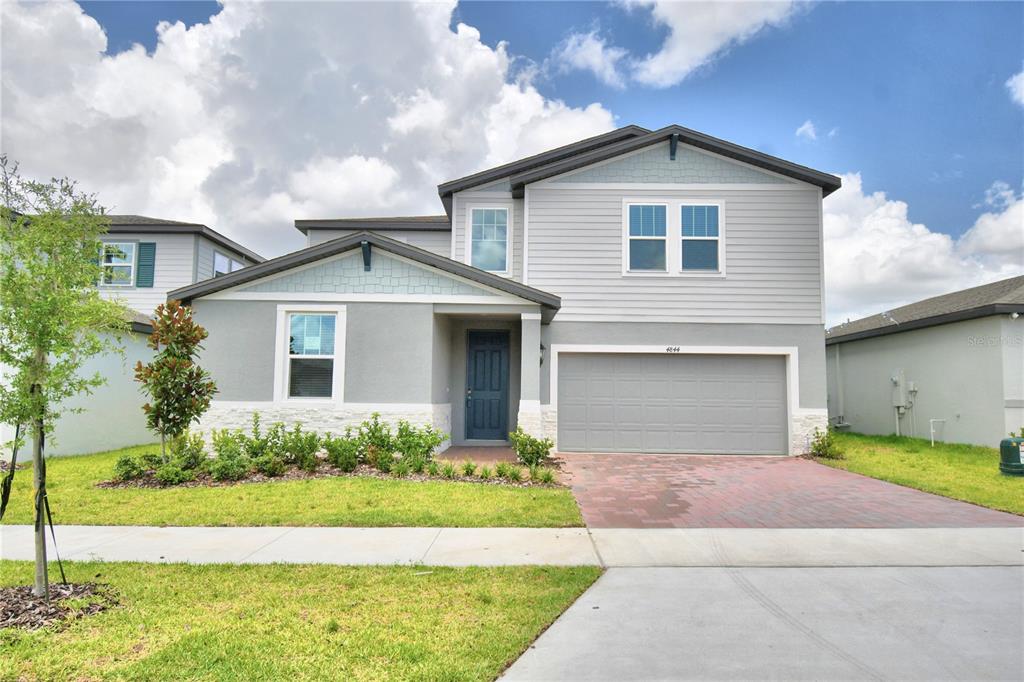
(534, 473)
(417, 441)
(151, 460)
(509, 472)
(342, 451)
(230, 462)
(824, 445)
(300, 448)
(416, 464)
(269, 464)
(172, 474)
(401, 468)
(188, 451)
(257, 444)
(448, 470)
(468, 468)
(377, 443)
(485, 472)
(530, 451)
(433, 469)
(128, 468)
(547, 476)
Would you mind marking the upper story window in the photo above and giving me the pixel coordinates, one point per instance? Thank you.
(489, 239)
(700, 240)
(311, 355)
(647, 238)
(222, 264)
(118, 264)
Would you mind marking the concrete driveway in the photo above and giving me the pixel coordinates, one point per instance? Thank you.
(720, 491)
(788, 623)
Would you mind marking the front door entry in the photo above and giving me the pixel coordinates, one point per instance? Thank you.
(487, 385)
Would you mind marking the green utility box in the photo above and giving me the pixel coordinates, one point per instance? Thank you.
(1011, 456)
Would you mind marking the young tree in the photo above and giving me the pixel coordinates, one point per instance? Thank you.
(180, 391)
(52, 318)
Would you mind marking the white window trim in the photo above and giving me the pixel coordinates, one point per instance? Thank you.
(673, 238)
(626, 237)
(133, 265)
(470, 207)
(231, 262)
(282, 355)
(720, 272)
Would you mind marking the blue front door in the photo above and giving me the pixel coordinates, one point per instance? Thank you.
(487, 385)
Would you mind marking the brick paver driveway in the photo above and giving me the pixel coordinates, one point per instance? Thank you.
(687, 491)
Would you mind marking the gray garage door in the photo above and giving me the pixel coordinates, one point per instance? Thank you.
(705, 404)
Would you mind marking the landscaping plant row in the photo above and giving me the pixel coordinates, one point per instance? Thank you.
(372, 448)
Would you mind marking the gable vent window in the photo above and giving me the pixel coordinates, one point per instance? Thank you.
(700, 239)
(222, 264)
(647, 237)
(311, 355)
(490, 239)
(118, 264)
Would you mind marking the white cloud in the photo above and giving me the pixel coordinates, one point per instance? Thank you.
(271, 112)
(807, 131)
(833, 132)
(701, 31)
(877, 259)
(1015, 84)
(590, 52)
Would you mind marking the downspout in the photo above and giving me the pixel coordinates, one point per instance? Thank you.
(839, 386)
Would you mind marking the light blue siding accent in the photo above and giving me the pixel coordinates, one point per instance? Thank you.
(690, 166)
(387, 276)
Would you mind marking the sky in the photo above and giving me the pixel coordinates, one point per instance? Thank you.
(247, 116)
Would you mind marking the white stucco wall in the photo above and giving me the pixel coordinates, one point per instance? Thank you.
(958, 369)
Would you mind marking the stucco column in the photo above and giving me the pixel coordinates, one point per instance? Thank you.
(529, 381)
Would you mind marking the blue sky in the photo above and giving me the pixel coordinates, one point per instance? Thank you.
(246, 116)
(914, 91)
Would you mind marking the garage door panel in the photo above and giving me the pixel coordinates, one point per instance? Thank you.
(672, 403)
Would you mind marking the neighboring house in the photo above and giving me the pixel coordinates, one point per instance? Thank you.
(143, 258)
(637, 291)
(957, 359)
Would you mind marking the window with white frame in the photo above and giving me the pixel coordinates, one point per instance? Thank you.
(222, 264)
(699, 244)
(489, 239)
(648, 237)
(117, 261)
(311, 355)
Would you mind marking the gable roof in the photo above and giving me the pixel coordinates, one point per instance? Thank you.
(422, 223)
(1005, 296)
(446, 189)
(828, 183)
(354, 241)
(120, 224)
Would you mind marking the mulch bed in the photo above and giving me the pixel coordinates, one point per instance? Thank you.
(21, 609)
(324, 470)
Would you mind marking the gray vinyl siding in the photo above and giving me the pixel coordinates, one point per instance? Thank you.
(175, 263)
(500, 200)
(439, 242)
(772, 257)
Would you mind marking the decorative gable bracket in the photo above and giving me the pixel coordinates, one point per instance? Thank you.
(365, 245)
(673, 142)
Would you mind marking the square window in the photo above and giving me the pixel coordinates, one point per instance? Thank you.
(700, 254)
(311, 351)
(647, 254)
(117, 261)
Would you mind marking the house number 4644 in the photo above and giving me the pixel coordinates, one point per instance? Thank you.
(673, 349)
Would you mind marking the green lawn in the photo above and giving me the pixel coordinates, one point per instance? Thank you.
(249, 622)
(963, 472)
(341, 501)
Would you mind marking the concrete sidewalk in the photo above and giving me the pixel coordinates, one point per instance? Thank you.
(611, 547)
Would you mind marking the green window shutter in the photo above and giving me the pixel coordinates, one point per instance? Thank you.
(145, 264)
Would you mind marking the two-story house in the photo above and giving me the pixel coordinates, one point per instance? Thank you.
(142, 259)
(637, 291)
